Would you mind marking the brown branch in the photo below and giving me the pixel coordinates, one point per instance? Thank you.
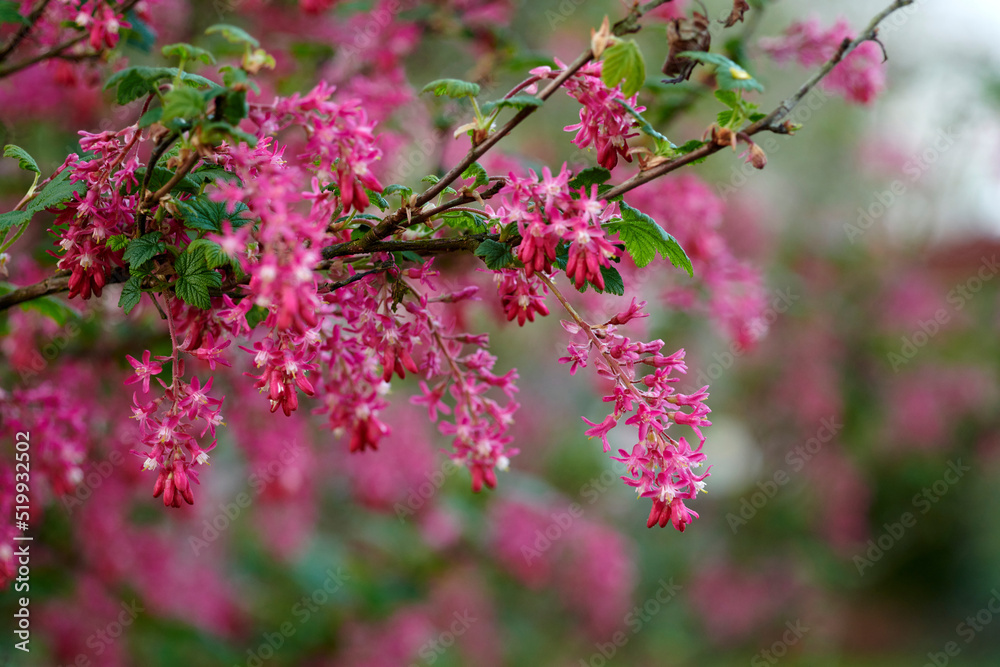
(771, 122)
(19, 36)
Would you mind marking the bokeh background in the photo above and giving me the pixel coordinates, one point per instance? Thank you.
(844, 317)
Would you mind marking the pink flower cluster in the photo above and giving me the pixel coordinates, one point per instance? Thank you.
(604, 123)
(102, 208)
(660, 467)
(521, 296)
(548, 214)
(859, 78)
(166, 423)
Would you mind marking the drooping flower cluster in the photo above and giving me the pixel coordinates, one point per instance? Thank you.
(859, 78)
(660, 467)
(604, 123)
(167, 426)
(550, 217)
(521, 297)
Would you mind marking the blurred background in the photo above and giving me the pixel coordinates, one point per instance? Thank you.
(843, 312)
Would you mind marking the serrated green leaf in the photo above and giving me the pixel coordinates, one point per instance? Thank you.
(202, 213)
(143, 249)
(232, 34)
(188, 52)
(623, 63)
(10, 13)
(24, 160)
(690, 146)
(131, 294)
(212, 253)
(728, 97)
(613, 281)
(513, 102)
(452, 88)
(182, 103)
(403, 191)
(725, 117)
(117, 242)
(55, 194)
(465, 220)
(589, 176)
(194, 279)
(754, 117)
(13, 219)
(475, 170)
(51, 307)
(433, 179)
(644, 237)
(132, 83)
(377, 199)
(496, 255)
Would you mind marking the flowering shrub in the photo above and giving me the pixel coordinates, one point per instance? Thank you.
(252, 236)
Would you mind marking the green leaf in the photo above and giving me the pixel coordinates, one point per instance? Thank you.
(256, 315)
(623, 61)
(377, 199)
(728, 97)
(589, 176)
(54, 195)
(230, 105)
(132, 83)
(117, 242)
(233, 34)
(188, 52)
(13, 219)
(140, 36)
(729, 75)
(690, 146)
(131, 294)
(161, 176)
(52, 308)
(219, 131)
(144, 248)
(194, 279)
(9, 13)
(475, 170)
(211, 252)
(202, 213)
(24, 161)
(152, 116)
(182, 103)
(452, 88)
(725, 118)
(643, 238)
(496, 255)
(465, 220)
(613, 281)
(403, 191)
(514, 102)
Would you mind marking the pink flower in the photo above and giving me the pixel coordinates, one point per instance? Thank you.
(143, 370)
